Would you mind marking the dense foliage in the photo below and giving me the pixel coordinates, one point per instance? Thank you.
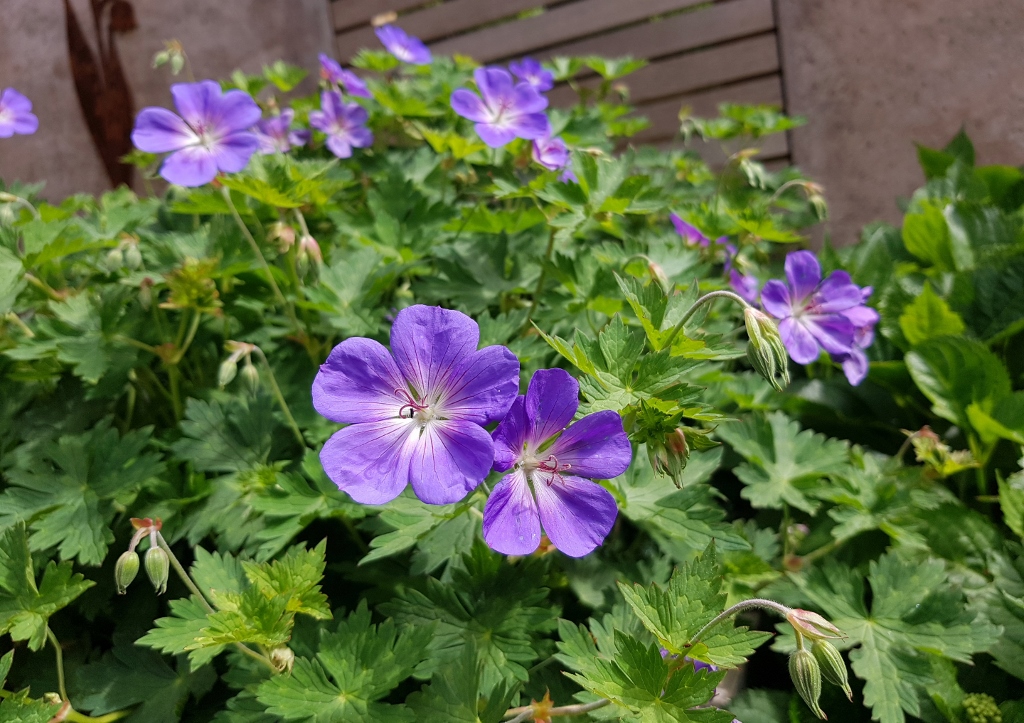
(158, 355)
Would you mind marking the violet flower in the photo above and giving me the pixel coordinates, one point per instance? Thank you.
(506, 111)
(333, 73)
(212, 133)
(405, 47)
(16, 114)
(344, 123)
(813, 312)
(275, 135)
(552, 467)
(863, 318)
(414, 415)
(530, 71)
(551, 153)
(745, 285)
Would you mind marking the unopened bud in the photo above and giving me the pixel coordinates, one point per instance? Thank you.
(227, 371)
(659, 275)
(158, 567)
(670, 457)
(806, 676)
(309, 256)
(833, 667)
(132, 256)
(283, 659)
(125, 570)
(146, 293)
(765, 350)
(114, 260)
(251, 377)
(283, 234)
(813, 626)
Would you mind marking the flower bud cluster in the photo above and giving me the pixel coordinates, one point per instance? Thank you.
(669, 456)
(766, 352)
(229, 367)
(807, 667)
(157, 562)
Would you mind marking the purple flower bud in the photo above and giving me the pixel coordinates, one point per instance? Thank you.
(551, 153)
(16, 114)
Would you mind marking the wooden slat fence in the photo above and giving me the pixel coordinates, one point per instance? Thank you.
(701, 53)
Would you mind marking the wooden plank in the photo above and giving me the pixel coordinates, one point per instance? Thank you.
(773, 149)
(349, 13)
(691, 72)
(664, 115)
(439, 21)
(565, 22)
(717, 24)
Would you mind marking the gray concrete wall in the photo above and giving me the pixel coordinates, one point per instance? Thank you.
(219, 37)
(874, 76)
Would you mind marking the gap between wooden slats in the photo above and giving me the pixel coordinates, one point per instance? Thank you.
(566, 22)
(352, 13)
(687, 73)
(708, 26)
(440, 21)
(664, 114)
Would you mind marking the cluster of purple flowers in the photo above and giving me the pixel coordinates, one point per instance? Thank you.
(510, 104)
(16, 114)
(416, 416)
(814, 314)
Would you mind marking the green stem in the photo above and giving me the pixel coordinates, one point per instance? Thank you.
(174, 377)
(525, 712)
(280, 397)
(189, 337)
(44, 287)
(820, 552)
(784, 532)
(262, 259)
(761, 603)
(708, 297)
(60, 663)
(194, 589)
(75, 717)
(19, 201)
(541, 279)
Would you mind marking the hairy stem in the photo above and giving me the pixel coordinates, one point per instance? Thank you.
(762, 603)
(59, 653)
(19, 201)
(708, 297)
(280, 397)
(523, 713)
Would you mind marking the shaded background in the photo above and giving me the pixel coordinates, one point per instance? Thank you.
(871, 77)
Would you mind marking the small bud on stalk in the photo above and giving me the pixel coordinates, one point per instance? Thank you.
(833, 667)
(227, 371)
(806, 675)
(765, 350)
(669, 457)
(283, 659)
(125, 570)
(251, 377)
(158, 567)
(812, 626)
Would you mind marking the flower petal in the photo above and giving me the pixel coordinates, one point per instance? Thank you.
(158, 130)
(510, 435)
(804, 273)
(469, 105)
(357, 383)
(234, 111)
(690, 233)
(802, 347)
(370, 461)
(776, 299)
(192, 166)
(483, 387)
(196, 102)
(15, 101)
(528, 126)
(551, 402)
(449, 459)
(833, 332)
(577, 514)
(429, 343)
(855, 366)
(837, 293)
(594, 447)
(232, 152)
(25, 123)
(526, 99)
(339, 146)
(494, 136)
(495, 86)
(511, 523)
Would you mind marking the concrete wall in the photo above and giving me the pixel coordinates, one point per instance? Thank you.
(874, 76)
(219, 36)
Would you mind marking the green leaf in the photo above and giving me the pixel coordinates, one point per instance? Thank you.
(130, 676)
(954, 373)
(1005, 607)
(926, 235)
(178, 633)
(440, 532)
(784, 464)
(25, 609)
(454, 695)
(11, 279)
(5, 666)
(69, 491)
(693, 598)
(1002, 420)
(19, 708)
(928, 317)
(295, 579)
(284, 75)
(914, 614)
(356, 666)
(226, 437)
(1011, 501)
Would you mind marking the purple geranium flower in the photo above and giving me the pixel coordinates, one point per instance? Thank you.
(405, 47)
(212, 134)
(863, 318)
(16, 114)
(551, 153)
(414, 415)
(812, 311)
(530, 71)
(552, 467)
(332, 72)
(506, 111)
(275, 134)
(344, 123)
(745, 285)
